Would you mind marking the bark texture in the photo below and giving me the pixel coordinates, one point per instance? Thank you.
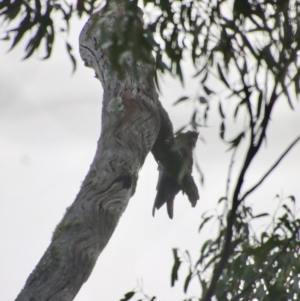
(133, 123)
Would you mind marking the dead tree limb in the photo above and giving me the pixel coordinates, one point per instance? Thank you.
(133, 121)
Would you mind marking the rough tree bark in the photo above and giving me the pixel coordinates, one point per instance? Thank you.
(133, 123)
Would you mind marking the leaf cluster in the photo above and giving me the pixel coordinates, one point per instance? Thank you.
(262, 266)
(37, 22)
(124, 38)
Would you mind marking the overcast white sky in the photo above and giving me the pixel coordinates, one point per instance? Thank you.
(49, 126)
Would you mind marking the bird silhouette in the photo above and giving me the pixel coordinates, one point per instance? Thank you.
(167, 187)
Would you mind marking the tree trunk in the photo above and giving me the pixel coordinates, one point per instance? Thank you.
(131, 123)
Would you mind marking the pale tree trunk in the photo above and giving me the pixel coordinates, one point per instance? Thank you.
(133, 123)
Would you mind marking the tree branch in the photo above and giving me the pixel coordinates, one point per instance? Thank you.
(230, 171)
(131, 119)
(133, 123)
(251, 153)
(270, 170)
(242, 73)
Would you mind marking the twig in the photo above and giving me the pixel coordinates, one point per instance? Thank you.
(270, 170)
(229, 171)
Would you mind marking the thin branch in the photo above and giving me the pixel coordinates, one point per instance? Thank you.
(229, 171)
(252, 151)
(285, 90)
(265, 270)
(247, 97)
(271, 169)
(274, 97)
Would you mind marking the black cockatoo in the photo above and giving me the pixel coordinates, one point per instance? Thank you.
(167, 187)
